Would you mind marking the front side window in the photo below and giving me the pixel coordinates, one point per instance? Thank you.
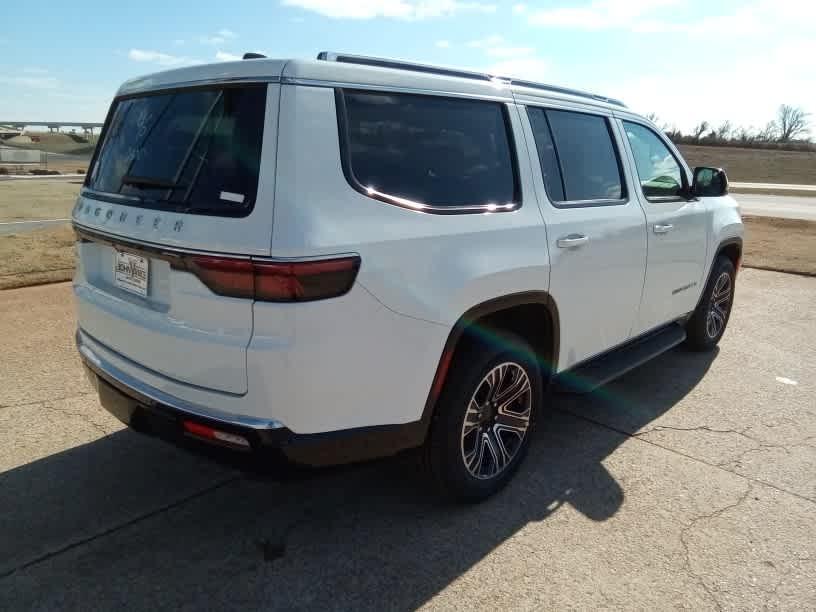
(426, 151)
(587, 156)
(660, 174)
(195, 151)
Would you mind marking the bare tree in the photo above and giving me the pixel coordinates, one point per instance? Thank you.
(723, 131)
(793, 122)
(769, 133)
(744, 134)
(700, 129)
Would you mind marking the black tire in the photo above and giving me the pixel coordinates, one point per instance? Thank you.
(445, 449)
(709, 320)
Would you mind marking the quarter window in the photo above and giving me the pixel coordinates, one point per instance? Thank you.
(577, 149)
(423, 151)
(660, 174)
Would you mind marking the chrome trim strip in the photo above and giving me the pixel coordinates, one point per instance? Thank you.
(150, 395)
(157, 250)
(394, 89)
(172, 252)
(145, 86)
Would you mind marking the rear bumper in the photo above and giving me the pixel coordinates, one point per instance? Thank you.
(153, 411)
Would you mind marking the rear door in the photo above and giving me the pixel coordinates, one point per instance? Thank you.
(595, 230)
(677, 228)
(180, 171)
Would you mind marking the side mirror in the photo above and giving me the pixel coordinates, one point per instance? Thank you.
(709, 183)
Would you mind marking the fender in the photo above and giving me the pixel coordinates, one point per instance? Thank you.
(720, 248)
(469, 318)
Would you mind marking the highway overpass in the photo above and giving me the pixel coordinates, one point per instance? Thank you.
(85, 126)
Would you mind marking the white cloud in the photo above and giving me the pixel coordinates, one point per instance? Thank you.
(223, 56)
(598, 15)
(486, 42)
(32, 82)
(443, 44)
(519, 9)
(394, 9)
(35, 70)
(162, 59)
(220, 37)
(530, 68)
(508, 60)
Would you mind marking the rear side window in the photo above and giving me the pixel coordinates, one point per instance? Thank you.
(578, 156)
(427, 151)
(195, 151)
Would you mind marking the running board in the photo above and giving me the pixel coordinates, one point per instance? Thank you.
(612, 364)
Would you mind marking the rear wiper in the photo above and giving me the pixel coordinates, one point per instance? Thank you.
(148, 182)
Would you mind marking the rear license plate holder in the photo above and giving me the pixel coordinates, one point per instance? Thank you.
(131, 272)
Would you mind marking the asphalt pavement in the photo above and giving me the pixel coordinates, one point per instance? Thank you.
(689, 483)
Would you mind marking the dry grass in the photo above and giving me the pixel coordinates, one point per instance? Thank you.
(755, 165)
(46, 199)
(784, 245)
(33, 258)
(52, 143)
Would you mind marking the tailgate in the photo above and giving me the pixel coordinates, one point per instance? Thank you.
(177, 173)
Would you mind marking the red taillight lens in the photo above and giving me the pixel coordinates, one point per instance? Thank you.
(273, 281)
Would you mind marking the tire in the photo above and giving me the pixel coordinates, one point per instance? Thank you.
(477, 441)
(709, 320)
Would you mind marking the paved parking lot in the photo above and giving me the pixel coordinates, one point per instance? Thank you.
(690, 483)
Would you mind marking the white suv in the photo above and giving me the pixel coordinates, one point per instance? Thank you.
(348, 257)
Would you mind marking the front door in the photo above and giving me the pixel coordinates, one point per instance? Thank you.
(596, 232)
(677, 229)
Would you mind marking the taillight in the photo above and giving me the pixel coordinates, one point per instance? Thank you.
(273, 281)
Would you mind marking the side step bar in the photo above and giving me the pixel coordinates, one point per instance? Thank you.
(589, 376)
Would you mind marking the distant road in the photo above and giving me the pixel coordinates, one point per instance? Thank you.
(787, 207)
(17, 227)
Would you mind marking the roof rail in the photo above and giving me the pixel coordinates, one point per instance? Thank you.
(364, 60)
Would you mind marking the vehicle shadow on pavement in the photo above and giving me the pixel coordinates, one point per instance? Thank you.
(370, 536)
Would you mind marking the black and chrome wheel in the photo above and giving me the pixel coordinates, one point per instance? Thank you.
(497, 420)
(484, 418)
(707, 325)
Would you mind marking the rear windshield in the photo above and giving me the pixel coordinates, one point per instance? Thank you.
(194, 151)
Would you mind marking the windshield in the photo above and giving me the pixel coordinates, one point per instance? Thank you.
(195, 150)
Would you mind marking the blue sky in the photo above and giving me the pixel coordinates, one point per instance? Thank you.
(685, 61)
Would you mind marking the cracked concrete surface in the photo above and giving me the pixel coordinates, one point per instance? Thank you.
(690, 483)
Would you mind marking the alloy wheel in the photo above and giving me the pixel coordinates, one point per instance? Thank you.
(497, 420)
(719, 306)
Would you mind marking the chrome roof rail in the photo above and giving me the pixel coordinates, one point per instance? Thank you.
(364, 60)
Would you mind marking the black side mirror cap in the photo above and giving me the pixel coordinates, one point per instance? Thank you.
(709, 182)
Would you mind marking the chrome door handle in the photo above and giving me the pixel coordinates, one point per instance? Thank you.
(572, 241)
(662, 228)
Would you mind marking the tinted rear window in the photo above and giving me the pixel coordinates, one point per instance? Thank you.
(429, 150)
(194, 151)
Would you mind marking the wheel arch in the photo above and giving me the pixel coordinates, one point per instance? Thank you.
(731, 248)
(530, 314)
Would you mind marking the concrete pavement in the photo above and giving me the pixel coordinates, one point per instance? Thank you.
(690, 483)
(786, 207)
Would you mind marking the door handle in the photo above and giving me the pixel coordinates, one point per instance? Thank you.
(662, 228)
(572, 241)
